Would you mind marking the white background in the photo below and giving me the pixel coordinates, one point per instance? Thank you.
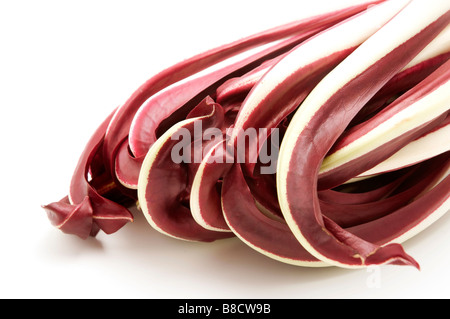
(64, 65)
